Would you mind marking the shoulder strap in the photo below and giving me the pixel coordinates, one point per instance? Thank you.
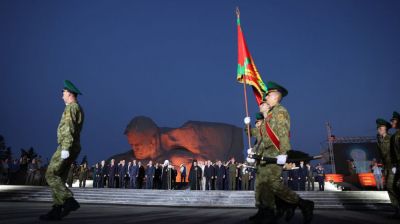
(271, 134)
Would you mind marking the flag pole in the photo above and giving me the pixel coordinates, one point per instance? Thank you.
(245, 94)
(247, 111)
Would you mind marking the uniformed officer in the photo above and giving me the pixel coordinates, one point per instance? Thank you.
(395, 158)
(83, 174)
(68, 136)
(233, 174)
(70, 175)
(275, 143)
(245, 176)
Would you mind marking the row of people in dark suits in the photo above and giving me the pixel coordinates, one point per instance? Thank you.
(303, 177)
(202, 176)
(134, 175)
(219, 176)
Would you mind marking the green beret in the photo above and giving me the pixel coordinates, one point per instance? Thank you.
(381, 122)
(259, 116)
(396, 116)
(272, 86)
(68, 85)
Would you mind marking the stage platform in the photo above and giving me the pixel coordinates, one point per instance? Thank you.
(351, 200)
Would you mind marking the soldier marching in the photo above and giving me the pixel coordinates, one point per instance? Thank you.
(68, 136)
(389, 149)
(273, 142)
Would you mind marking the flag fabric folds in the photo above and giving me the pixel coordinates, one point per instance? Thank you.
(247, 71)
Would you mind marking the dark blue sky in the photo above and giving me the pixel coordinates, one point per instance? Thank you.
(176, 61)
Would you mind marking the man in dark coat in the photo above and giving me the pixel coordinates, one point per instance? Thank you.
(302, 176)
(293, 178)
(103, 174)
(174, 174)
(150, 171)
(195, 176)
(320, 177)
(157, 176)
(133, 174)
(141, 175)
(123, 172)
(112, 174)
(219, 176)
(209, 175)
(95, 175)
(310, 177)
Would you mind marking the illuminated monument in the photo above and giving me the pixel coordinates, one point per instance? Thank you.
(193, 140)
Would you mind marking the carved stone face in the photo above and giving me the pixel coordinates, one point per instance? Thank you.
(144, 146)
(143, 135)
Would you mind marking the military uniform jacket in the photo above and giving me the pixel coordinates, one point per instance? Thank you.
(278, 121)
(385, 151)
(395, 148)
(83, 172)
(70, 127)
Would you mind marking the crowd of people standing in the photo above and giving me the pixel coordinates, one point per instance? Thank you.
(203, 175)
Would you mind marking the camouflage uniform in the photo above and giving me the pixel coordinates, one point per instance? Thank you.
(395, 155)
(268, 182)
(68, 136)
(273, 198)
(385, 152)
(232, 169)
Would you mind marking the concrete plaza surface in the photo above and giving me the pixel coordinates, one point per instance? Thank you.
(28, 212)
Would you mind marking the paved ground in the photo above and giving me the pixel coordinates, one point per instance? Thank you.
(28, 212)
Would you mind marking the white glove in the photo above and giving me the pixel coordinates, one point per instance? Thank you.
(281, 159)
(247, 120)
(250, 161)
(250, 151)
(64, 154)
(394, 170)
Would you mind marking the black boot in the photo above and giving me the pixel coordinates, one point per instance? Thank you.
(290, 212)
(280, 212)
(269, 217)
(69, 205)
(258, 216)
(283, 208)
(53, 214)
(307, 209)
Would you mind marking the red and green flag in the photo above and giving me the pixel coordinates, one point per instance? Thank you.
(247, 71)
